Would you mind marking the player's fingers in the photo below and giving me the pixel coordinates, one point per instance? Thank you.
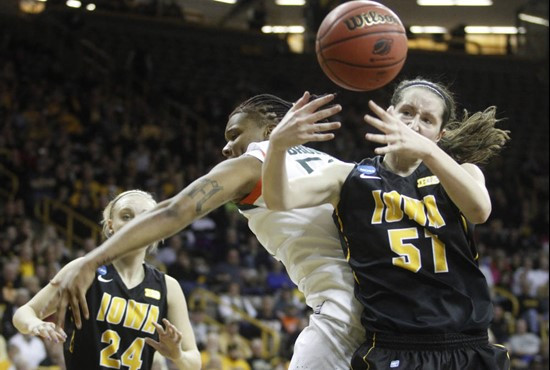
(376, 123)
(377, 109)
(319, 102)
(160, 329)
(327, 126)
(83, 304)
(322, 137)
(153, 343)
(76, 310)
(62, 310)
(61, 332)
(304, 99)
(377, 138)
(325, 113)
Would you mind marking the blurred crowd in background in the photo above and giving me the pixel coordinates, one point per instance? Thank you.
(80, 135)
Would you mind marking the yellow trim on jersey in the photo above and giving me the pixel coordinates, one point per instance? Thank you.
(370, 349)
(427, 181)
(152, 293)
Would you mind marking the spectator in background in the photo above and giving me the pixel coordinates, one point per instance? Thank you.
(184, 271)
(277, 277)
(30, 350)
(168, 253)
(258, 361)
(232, 300)
(227, 271)
(22, 296)
(230, 336)
(523, 346)
(200, 327)
(212, 357)
(10, 281)
(502, 324)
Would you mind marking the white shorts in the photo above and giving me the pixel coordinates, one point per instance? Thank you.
(326, 343)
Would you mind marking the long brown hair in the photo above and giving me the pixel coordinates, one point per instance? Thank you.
(471, 139)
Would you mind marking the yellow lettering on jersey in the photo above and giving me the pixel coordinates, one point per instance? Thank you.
(105, 300)
(393, 209)
(440, 256)
(379, 207)
(152, 293)
(135, 314)
(409, 255)
(415, 209)
(153, 316)
(116, 311)
(426, 181)
(112, 338)
(132, 356)
(434, 217)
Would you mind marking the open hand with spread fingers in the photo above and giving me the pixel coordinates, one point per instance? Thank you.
(300, 125)
(398, 137)
(72, 282)
(169, 343)
(48, 331)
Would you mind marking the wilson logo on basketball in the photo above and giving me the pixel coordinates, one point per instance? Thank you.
(369, 19)
(382, 47)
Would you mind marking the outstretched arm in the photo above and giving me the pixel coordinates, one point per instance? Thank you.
(229, 180)
(464, 183)
(298, 127)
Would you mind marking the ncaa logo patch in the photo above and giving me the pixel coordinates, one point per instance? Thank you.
(367, 170)
(102, 270)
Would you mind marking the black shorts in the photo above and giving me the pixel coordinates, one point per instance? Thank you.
(429, 352)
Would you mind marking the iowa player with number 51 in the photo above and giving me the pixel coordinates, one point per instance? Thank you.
(127, 300)
(406, 222)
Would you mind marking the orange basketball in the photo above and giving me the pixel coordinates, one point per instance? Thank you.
(361, 45)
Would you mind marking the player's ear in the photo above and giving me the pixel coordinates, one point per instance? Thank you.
(267, 131)
(441, 134)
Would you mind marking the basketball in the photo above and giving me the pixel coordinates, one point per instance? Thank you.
(361, 45)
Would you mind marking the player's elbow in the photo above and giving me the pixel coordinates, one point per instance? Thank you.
(195, 362)
(479, 215)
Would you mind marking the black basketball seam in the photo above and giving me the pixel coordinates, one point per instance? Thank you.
(342, 16)
(361, 35)
(364, 66)
(319, 37)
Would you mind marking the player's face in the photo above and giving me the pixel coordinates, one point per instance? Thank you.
(127, 208)
(241, 130)
(423, 111)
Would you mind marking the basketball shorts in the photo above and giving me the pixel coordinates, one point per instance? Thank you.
(430, 352)
(326, 343)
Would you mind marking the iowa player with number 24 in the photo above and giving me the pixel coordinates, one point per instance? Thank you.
(406, 223)
(127, 301)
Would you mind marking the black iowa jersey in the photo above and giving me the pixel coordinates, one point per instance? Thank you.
(412, 253)
(120, 319)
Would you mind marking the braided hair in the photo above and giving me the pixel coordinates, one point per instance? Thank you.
(269, 109)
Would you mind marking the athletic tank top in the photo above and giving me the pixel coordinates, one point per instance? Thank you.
(120, 319)
(412, 253)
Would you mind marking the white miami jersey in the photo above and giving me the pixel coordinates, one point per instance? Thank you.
(305, 240)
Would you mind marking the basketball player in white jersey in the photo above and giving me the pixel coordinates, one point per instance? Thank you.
(305, 241)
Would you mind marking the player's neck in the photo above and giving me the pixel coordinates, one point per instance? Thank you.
(399, 165)
(130, 269)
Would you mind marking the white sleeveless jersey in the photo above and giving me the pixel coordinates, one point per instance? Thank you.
(305, 240)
